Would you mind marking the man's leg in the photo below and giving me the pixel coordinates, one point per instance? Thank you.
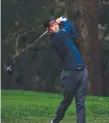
(80, 95)
(68, 97)
(69, 80)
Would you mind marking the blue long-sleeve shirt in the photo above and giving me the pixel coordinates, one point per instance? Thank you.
(65, 48)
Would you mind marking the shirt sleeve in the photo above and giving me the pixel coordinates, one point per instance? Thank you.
(60, 36)
(59, 43)
(67, 26)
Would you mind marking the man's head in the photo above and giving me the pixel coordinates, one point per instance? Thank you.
(52, 26)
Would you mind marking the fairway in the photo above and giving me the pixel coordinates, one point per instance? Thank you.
(20, 106)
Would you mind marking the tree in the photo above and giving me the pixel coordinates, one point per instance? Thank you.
(103, 21)
(84, 12)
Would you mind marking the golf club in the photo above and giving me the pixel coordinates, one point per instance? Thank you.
(9, 68)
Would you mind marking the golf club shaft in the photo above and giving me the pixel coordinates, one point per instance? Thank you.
(30, 46)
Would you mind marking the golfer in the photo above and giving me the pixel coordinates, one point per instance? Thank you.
(74, 73)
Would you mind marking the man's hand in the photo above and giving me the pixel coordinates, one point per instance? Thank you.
(58, 21)
(61, 19)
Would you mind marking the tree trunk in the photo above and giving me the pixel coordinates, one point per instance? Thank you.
(86, 22)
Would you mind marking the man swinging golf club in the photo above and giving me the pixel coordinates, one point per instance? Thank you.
(74, 74)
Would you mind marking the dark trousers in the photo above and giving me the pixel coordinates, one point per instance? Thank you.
(74, 83)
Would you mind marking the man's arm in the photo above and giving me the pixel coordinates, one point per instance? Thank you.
(67, 26)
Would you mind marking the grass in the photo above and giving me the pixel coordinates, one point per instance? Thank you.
(18, 106)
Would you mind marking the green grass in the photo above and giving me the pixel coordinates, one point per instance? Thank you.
(18, 106)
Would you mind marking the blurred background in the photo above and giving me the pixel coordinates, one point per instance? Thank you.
(39, 68)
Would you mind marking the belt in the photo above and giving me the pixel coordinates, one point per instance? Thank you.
(79, 69)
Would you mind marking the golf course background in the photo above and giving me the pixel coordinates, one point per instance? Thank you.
(18, 106)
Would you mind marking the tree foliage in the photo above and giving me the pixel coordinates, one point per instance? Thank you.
(22, 23)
